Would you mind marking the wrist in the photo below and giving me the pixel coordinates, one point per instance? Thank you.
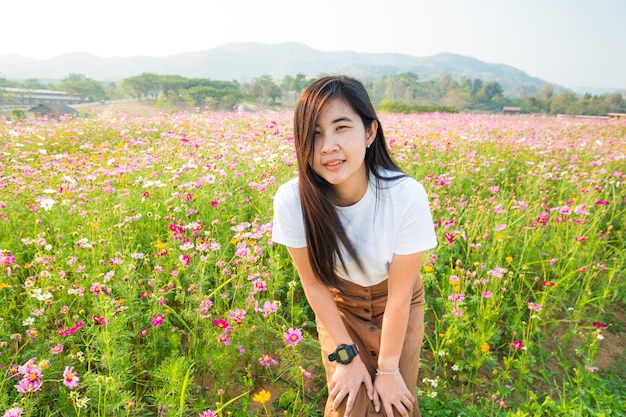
(394, 372)
(344, 354)
(388, 364)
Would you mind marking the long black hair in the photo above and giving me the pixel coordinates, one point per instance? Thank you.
(324, 232)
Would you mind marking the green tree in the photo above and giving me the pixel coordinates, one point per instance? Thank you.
(563, 103)
(32, 83)
(145, 85)
(81, 86)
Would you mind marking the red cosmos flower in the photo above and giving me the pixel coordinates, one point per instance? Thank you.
(548, 283)
(99, 319)
(602, 203)
(599, 325)
(449, 237)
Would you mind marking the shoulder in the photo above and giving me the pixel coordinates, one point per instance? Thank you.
(405, 187)
(288, 193)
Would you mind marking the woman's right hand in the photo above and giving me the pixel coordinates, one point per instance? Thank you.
(346, 382)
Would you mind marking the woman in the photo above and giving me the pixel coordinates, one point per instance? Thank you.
(356, 227)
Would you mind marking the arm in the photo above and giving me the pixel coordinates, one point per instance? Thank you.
(347, 379)
(391, 389)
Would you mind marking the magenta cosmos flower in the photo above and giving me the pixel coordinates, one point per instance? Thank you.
(517, 345)
(293, 336)
(158, 320)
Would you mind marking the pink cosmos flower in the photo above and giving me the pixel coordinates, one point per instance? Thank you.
(224, 338)
(292, 336)
(207, 413)
(305, 372)
(25, 386)
(266, 361)
(565, 210)
(70, 379)
(258, 285)
(268, 308)
(500, 227)
(57, 349)
(13, 412)
(456, 298)
(237, 316)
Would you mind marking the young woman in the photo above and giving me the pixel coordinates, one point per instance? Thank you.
(356, 227)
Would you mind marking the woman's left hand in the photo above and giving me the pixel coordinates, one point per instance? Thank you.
(393, 392)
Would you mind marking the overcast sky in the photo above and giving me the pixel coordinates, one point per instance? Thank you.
(574, 43)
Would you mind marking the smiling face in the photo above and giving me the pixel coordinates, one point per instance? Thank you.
(341, 140)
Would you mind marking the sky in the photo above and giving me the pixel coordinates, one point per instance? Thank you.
(572, 43)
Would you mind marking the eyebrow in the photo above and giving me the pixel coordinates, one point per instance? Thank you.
(342, 119)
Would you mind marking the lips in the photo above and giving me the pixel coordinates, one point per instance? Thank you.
(334, 165)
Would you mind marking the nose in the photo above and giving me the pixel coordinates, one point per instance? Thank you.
(327, 143)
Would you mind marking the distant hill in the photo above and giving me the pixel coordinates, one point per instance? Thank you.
(244, 61)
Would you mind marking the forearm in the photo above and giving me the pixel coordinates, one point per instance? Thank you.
(326, 311)
(394, 327)
(403, 275)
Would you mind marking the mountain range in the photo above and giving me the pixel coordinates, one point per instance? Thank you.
(245, 61)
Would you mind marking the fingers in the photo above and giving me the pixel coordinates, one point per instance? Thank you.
(337, 397)
(349, 404)
(376, 401)
(369, 388)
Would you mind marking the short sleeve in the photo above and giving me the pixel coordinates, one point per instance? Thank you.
(288, 224)
(417, 231)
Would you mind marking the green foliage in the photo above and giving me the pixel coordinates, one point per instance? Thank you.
(18, 114)
(399, 107)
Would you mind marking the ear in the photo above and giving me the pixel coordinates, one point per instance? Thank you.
(371, 133)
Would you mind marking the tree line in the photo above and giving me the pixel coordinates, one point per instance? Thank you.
(404, 91)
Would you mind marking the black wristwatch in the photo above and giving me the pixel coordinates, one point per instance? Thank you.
(344, 354)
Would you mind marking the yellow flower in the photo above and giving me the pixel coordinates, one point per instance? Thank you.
(509, 259)
(428, 268)
(4, 285)
(160, 245)
(485, 347)
(262, 397)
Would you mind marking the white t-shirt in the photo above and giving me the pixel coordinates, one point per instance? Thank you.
(401, 223)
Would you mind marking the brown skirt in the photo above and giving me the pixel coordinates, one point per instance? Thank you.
(362, 310)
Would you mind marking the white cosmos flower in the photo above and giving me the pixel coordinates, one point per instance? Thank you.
(47, 203)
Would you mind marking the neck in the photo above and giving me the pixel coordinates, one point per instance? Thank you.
(345, 195)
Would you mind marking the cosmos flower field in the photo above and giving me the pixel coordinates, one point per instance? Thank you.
(138, 277)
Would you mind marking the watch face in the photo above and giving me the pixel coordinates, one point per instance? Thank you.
(343, 354)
